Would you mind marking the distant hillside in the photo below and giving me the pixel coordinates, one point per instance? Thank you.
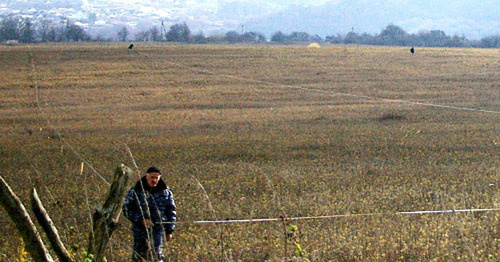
(474, 20)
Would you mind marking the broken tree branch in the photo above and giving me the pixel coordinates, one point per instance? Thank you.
(49, 228)
(17, 212)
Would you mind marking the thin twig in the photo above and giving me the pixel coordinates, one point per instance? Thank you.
(214, 213)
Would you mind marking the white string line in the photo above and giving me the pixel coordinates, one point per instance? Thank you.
(422, 212)
(42, 112)
(332, 92)
(335, 93)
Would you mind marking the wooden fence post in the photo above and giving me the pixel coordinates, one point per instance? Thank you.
(105, 218)
(18, 214)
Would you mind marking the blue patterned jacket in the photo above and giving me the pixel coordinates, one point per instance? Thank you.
(157, 204)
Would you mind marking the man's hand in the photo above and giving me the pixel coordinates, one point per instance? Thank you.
(169, 237)
(147, 223)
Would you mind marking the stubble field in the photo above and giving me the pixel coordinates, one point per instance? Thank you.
(268, 132)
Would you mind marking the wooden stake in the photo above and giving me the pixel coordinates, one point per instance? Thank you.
(105, 218)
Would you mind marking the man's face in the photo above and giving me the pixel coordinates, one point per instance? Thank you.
(153, 179)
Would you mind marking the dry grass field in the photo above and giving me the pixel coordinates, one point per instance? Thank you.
(253, 126)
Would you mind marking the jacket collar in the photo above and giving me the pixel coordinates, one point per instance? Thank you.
(143, 183)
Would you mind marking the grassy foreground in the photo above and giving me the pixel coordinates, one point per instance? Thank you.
(233, 119)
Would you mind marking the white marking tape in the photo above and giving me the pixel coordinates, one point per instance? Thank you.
(423, 212)
(335, 93)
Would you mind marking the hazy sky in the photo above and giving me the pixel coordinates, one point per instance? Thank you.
(471, 18)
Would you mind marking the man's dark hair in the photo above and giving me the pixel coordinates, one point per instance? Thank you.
(153, 169)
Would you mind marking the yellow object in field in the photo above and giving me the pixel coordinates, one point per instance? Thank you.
(23, 254)
(313, 45)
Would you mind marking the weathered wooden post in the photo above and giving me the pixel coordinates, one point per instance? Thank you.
(18, 214)
(49, 228)
(105, 218)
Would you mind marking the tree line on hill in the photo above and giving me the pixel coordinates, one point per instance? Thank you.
(24, 31)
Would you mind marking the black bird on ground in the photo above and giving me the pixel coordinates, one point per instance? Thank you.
(412, 50)
(131, 46)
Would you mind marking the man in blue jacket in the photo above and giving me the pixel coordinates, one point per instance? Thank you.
(148, 205)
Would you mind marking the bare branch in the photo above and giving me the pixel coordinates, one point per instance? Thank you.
(17, 212)
(49, 228)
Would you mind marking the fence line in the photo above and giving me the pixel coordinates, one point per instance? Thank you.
(327, 91)
(424, 212)
(279, 219)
